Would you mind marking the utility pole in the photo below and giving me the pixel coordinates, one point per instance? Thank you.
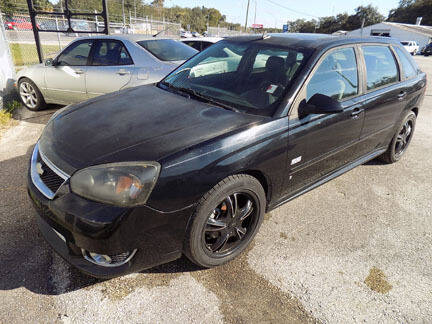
(247, 14)
(255, 11)
(123, 13)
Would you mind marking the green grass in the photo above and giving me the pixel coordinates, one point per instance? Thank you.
(6, 114)
(26, 54)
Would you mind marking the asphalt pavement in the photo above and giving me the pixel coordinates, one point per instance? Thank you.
(357, 249)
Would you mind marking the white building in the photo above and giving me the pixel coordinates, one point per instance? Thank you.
(404, 32)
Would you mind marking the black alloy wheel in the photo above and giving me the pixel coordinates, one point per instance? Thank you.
(401, 139)
(225, 221)
(229, 224)
(404, 137)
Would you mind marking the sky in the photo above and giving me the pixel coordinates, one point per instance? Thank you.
(273, 13)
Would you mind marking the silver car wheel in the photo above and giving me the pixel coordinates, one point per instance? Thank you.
(28, 94)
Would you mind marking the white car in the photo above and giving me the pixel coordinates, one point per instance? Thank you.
(200, 43)
(411, 47)
(92, 66)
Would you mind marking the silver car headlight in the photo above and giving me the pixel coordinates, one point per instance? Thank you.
(123, 184)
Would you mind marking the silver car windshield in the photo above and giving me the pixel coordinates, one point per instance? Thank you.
(246, 76)
(168, 49)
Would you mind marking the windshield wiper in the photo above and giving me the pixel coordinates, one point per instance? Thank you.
(199, 96)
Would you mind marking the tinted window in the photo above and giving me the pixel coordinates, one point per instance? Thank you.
(336, 76)
(76, 54)
(408, 70)
(405, 43)
(110, 53)
(381, 68)
(194, 44)
(168, 49)
(223, 72)
(204, 45)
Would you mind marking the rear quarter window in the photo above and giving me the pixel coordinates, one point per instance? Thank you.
(409, 71)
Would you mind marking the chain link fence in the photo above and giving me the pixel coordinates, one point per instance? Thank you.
(223, 31)
(19, 33)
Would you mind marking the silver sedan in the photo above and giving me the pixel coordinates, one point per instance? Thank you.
(92, 66)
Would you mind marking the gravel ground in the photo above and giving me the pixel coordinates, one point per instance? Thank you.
(355, 249)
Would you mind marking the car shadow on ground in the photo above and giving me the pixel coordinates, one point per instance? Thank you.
(35, 117)
(26, 260)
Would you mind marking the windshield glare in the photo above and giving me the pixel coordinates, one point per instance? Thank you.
(168, 49)
(248, 76)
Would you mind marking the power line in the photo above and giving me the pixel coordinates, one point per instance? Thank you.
(292, 10)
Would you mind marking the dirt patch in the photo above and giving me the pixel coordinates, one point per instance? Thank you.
(283, 235)
(119, 288)
(377, 281)
(246, 297)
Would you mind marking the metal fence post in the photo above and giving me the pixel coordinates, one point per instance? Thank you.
(58, 35)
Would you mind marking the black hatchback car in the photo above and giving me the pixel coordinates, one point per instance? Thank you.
(189, 165)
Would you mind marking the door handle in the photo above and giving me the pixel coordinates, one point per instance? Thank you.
(123, 72)
(79, 71)
(356, 112)
(402, 95)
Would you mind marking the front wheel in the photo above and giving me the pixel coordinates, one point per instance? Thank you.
(30, 95)
(401, 139)
(225, 221)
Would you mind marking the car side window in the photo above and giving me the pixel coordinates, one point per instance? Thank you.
(196, 45)
(110, 53)
(381, 68)
(76, 54)
(408, 69)
(336, 76)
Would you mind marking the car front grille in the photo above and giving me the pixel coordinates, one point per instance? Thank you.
(51, 179)
(45, 176)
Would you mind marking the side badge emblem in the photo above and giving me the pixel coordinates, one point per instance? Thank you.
(296, 160)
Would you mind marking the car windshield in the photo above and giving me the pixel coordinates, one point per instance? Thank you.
(168, 49)
(248, 76)
(405, 43)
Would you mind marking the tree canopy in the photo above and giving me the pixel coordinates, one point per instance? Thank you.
(198, 18)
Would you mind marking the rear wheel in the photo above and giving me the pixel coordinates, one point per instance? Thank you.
(226, 220)
(401, 139)
(30, 95)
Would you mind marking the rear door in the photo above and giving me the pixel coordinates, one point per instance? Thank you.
(110, 68)
(65, 82)
(321, 143)
(384, 98)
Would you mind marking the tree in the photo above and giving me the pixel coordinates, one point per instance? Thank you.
(369, 13)
(7, 7)
(409, 10)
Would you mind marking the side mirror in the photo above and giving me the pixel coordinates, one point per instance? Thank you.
(49, 62)
(320, 104)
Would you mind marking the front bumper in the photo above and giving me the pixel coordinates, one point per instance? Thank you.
(99, 228)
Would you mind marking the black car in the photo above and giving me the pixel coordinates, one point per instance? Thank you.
(189, 165)
(427, 50)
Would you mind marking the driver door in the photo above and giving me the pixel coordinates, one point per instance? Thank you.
(319, 144)
(66, 80)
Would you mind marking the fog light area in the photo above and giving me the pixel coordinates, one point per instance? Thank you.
(108, 260)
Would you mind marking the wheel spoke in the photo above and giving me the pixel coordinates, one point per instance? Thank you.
(215, 225)
(220, 243)
(241, 231)
(232, 205)
(246, 210)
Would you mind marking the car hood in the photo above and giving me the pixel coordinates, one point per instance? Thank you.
(144, 123)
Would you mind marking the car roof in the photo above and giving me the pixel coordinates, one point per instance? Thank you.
(310, 41)
(129, 37)
(203, 39)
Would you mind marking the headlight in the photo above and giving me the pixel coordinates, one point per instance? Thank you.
(123, 184)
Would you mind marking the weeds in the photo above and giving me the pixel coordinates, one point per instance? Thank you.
(6, 112)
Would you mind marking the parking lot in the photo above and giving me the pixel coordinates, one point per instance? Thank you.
(358, 248)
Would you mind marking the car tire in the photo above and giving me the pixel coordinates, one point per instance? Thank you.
(30, 95)
(214, 235)
(400, 140)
